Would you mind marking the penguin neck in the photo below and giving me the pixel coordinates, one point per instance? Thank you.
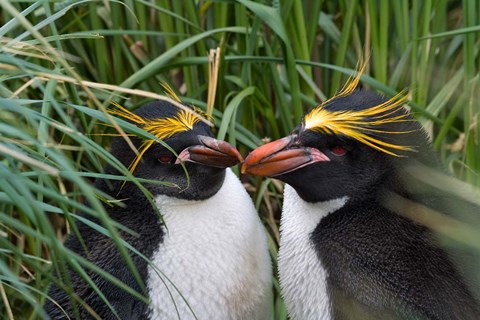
(302, 275)
(210, 251)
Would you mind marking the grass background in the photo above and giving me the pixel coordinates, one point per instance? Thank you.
(63, 62)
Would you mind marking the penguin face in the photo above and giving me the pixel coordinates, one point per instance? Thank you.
(204, 157)
(337, 167)
(342, 149)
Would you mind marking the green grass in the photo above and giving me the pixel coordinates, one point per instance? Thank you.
(61, 61)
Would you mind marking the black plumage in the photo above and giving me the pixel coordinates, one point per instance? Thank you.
(136, 213)
(382, 262)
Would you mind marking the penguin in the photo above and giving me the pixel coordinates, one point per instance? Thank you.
(206, 257)
(356, 237)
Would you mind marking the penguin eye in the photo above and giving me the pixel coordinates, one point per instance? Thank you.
(338, 150)
(165, 159)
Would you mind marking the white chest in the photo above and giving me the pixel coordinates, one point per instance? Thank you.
(214, 259)
(302, 276)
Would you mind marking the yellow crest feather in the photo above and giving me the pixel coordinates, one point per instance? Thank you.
(352, 81)
(361, 125)
(166, 127)
(161, 128)
(169, 92)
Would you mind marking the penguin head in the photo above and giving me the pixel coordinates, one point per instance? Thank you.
(347, 146)
(198, 171)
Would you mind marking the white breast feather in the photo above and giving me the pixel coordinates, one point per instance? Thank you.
(302, 276)
(215, 254)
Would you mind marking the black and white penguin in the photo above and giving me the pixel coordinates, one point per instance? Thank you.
(209, 256)
(356, 241)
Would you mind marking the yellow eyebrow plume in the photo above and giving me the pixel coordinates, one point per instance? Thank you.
(352, 82)
(170, 93)
(161, 128)
(361, 125)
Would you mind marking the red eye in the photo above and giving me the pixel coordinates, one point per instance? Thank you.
(165, 159)
(338, 151)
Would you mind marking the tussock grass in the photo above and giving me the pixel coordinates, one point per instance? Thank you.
(63, 62)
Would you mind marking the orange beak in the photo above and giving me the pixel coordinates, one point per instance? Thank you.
(211, 152)
(279, 157)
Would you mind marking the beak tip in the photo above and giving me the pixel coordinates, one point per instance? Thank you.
(243, 168)
(239, 157)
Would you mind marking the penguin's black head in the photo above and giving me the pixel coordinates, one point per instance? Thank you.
(204, 157)
(347, 146)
